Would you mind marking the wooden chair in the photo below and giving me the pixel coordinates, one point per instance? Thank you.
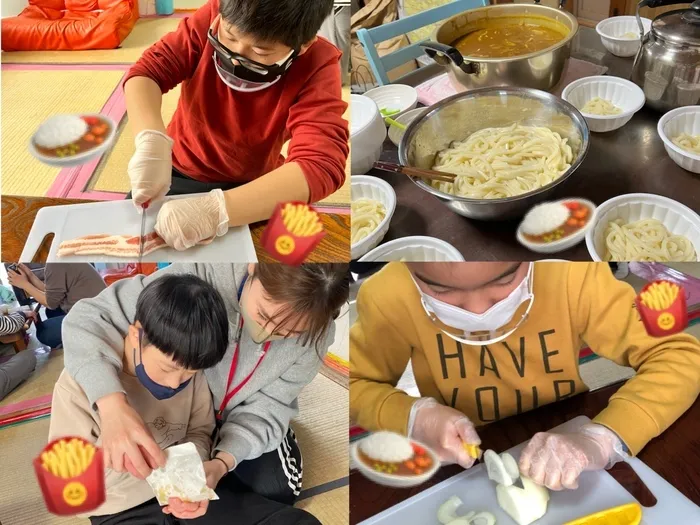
(369, 38)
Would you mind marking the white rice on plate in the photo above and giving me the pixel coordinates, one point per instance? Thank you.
(60, 130)
(545, 218)
(388, 447)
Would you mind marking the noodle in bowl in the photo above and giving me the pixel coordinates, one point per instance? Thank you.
(552, 136)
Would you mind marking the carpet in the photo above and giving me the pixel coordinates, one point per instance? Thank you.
(38, 386)
(189, 5)
(145, 33)
(29, 98)
(321, 429)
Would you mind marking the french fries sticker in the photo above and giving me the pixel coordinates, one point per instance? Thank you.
(300, 220)
(662, 307)
(71, 476)
(293, 231)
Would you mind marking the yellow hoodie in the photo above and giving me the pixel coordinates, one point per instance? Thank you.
(575, 304)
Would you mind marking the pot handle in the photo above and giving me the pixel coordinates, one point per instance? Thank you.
(694, 10)
(562, 3)
(443, 54)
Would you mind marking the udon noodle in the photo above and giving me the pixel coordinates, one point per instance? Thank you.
(646, 240)
(600, 106)
(687, 142)
(367, 214)
(495, 163)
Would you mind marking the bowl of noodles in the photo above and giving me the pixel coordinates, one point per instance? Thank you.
(679, 129)
(373, 204)
(508, 147)
(644, 227)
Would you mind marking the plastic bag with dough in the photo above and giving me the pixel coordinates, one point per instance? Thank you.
(182, 477)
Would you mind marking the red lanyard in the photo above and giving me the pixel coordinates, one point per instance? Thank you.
(232, 371)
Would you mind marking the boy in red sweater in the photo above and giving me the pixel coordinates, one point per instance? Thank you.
(254, 74)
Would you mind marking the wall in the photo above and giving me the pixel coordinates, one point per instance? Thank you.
(12, 7)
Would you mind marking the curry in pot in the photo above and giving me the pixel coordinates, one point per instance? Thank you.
(510, 36)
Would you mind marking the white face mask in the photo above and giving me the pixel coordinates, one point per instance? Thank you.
(492, 320)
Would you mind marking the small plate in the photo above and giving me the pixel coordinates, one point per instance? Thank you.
(81, 158)
(392, 480)
(566, 242)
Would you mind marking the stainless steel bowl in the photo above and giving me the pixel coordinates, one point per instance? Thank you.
(457, 117)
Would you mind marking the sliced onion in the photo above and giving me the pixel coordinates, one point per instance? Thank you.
(511, 465)
(447, 513)
(483, 518)
(496, 470)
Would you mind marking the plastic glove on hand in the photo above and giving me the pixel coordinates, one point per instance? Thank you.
(445, 430)
(150, 168)
(557, 460)
(182, 223)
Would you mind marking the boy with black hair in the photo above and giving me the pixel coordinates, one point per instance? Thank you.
(180, 327)
(254, 74)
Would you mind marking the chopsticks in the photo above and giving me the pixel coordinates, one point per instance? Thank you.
(415, 172)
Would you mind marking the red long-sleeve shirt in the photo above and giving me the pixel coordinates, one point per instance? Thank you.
(224, 135)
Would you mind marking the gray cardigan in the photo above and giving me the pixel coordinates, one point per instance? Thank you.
(256, 419)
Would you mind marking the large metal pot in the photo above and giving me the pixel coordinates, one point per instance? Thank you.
(667, 65)
(538, 70)
(458, 116)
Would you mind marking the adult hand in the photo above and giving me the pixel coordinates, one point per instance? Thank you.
(445, 430)
(557, 460)
(215, 470)
(31, 314)
(127, 443)
(150, 168)
(17, 279)
(182, 223)
(186, 510)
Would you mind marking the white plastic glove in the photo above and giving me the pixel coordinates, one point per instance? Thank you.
(557, 460)
(150, 168)
(443, 429)
(182, 223)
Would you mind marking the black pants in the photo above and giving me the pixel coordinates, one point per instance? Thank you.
(184, 185)
(259, 491)
(239, 508)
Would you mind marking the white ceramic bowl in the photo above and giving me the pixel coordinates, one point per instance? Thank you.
(81, 158)
(622, 93)
(677, 218)
(672, 124)
(414, 249)
(612, 29)
(566, 242)
(396, 134)
(367, 133)
(392, 480)
(368, 187)
(394, 96)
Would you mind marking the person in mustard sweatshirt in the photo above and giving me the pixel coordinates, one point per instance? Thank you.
(488, 340)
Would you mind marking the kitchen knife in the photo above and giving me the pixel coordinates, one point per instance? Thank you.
(143, 230)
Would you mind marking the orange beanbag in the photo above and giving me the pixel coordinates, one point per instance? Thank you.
(69, 25)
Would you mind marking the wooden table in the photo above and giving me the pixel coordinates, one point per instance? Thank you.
(675, 455)
(18, 215)
(629, 160)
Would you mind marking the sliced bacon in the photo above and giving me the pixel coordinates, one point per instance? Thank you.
(113, 245)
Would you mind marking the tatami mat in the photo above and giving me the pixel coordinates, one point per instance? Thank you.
(321, 428)
(322, 431)
(189, 4)
(111, 174)
(145, 33)
(330, 508)
(28, 98)
(40, 383)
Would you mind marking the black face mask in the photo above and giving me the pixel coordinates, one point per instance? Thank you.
(248, 70)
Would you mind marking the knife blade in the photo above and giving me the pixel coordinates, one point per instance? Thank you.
(518, 482)
(143, 230)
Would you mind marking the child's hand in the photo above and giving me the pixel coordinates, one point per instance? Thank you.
(215, 470)
(183, 223)
(150, 168)
(186, 510)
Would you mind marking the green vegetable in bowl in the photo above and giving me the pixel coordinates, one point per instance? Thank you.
(389, 112)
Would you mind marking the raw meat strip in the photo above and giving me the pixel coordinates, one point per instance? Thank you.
(113, 245)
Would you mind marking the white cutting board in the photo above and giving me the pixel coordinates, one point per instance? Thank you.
(122, 218)
(597, 491)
